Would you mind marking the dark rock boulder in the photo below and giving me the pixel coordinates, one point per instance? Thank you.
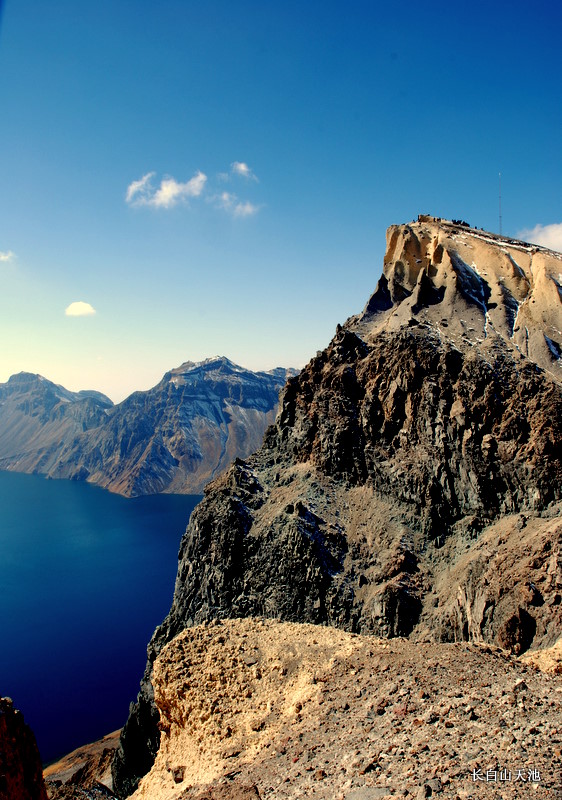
(21, 775)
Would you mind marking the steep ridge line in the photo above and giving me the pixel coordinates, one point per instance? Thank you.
(409, 462)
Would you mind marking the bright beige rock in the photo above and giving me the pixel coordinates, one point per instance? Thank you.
(262, 709)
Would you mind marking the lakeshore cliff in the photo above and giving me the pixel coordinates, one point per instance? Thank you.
(410, 485)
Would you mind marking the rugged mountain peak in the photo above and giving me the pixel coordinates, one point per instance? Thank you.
(215, 362)
(221, 366)
(411, 483)
(29, 382)
(174, 437)
(472, 286)
(37, 417)
(213, 371)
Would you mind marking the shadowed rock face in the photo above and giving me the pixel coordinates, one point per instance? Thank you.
(411, 483)
(174, 437)
(21, 776)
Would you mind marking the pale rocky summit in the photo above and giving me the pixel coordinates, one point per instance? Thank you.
(474, 288)
(173, 438)
(410, 485)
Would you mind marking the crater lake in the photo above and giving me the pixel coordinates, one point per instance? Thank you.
(86, 577)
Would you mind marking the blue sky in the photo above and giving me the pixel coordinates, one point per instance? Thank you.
(217, 177)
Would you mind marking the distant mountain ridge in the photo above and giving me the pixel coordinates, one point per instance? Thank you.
(173, 437)
(38, 416)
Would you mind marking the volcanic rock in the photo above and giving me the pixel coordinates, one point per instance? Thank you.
(410, 485)
(85, 773)
(263, 709)
(21, 775)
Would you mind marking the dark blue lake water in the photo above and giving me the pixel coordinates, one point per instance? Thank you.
(86, 577)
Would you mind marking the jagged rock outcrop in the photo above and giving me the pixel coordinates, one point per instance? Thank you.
(83, 774)
(173, 438)
(411, 483)
(21, 776)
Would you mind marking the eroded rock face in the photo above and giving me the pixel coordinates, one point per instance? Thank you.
(411, 483)
(21, 776)
(85, 773)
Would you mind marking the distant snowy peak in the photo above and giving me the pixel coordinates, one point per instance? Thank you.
(190, 366)
(224, 366)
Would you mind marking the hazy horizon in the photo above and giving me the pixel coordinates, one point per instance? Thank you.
(183, 181)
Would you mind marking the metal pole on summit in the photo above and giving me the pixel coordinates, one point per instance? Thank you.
(500, 203)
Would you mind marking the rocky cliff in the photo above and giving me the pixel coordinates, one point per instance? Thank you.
(410, 485)
(174, 437)
(21, 775)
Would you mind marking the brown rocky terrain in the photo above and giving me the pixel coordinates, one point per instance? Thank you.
(84, 774)
(263, 709)
(410, 486)
(173, 438)
(20, 765)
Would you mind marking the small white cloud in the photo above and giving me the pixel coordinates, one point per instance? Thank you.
(6, 255)
(79, 309)
(168, 194)
(545, 235)
(234, 206)
(137, 191)
(171, 191)
(225, 200)
(246, 209)
(242, 169)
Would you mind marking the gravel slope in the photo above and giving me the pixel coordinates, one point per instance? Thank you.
(262, 709)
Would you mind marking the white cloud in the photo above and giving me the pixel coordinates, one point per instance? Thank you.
(168, 194)
(6, 255)
(246, 209)
(79, 309)
(242, 169)
(140, 189)
(170, 191)
(226, 200)
(546, 235)
(234, 206)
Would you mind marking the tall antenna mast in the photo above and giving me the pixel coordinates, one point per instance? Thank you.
(500, 203)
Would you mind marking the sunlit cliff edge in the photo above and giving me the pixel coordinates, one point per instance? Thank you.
(410, 486)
